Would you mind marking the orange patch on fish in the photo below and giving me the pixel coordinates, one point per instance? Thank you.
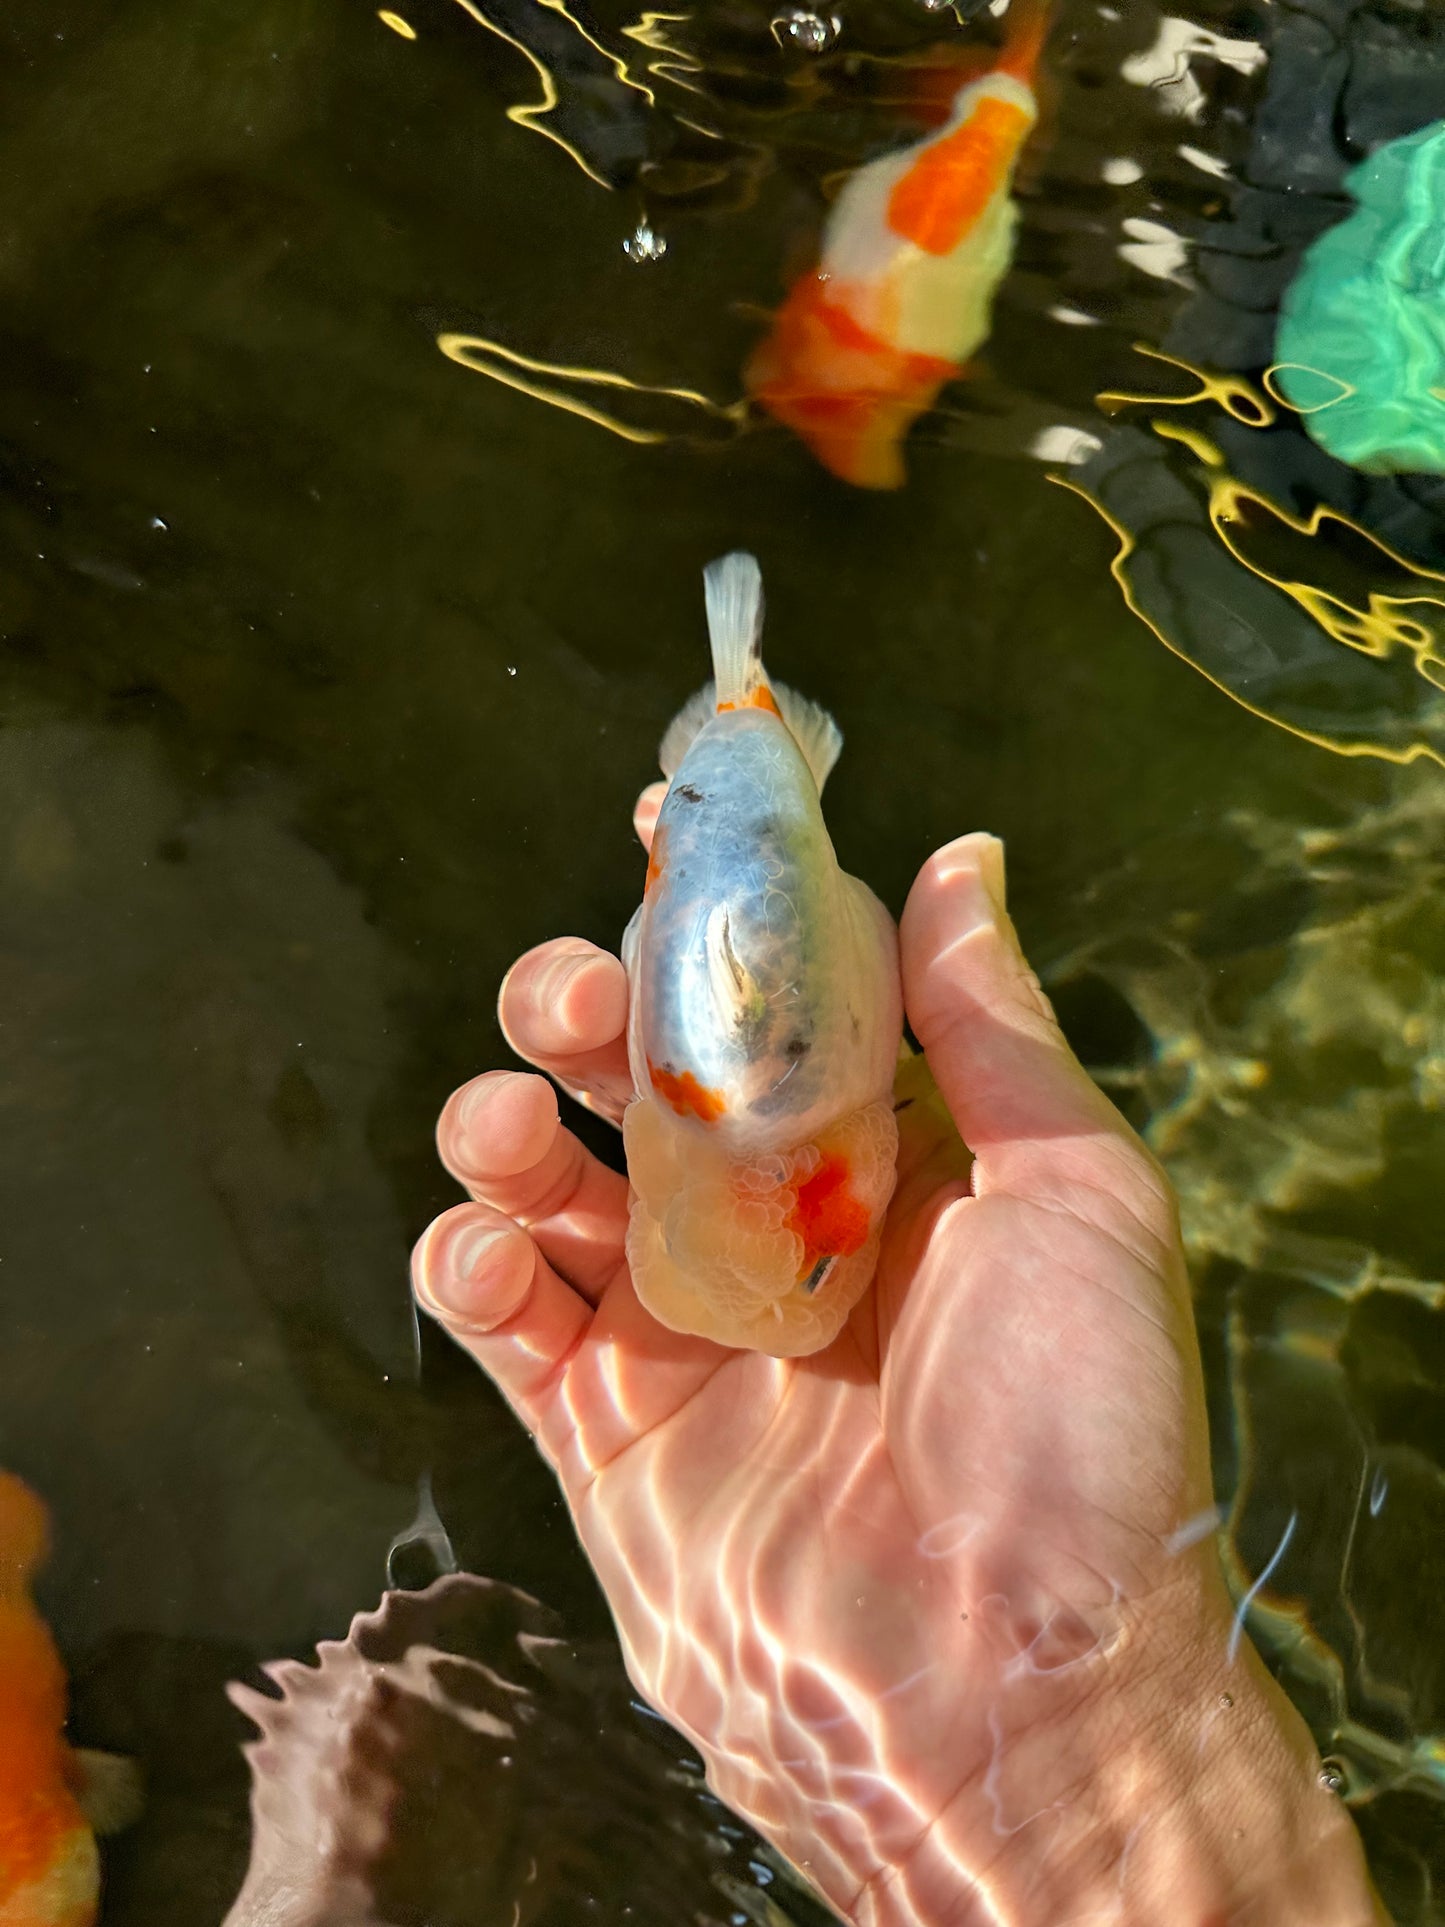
(761, 698)
(956, 178)
(831, 1222)
(848, 394)
(685, 1094)
(48, 1876)
(656, 859)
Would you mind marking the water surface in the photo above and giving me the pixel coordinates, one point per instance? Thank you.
(330, 669)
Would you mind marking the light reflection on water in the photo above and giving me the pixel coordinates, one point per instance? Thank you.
(1294, 1084)
(323, 661)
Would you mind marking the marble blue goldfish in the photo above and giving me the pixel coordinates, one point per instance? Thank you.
(765, 1019)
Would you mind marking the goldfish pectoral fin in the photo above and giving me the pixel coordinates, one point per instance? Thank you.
(694, 716)
(753, 311)
(812, 729)
(109, 1788)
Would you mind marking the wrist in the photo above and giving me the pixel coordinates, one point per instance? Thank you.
(1176, 1784)
(1212, 1809)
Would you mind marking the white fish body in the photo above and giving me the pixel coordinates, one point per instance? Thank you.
(764, 1023)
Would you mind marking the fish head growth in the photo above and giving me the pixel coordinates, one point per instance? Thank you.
(769, 1252)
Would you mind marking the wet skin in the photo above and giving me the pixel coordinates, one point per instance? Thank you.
(932, 1603)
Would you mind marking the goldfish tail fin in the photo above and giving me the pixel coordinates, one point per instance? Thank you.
(812, 729)
(1026, 30)
(733, 587)
(24, 1534)
(109, 1790)
(734, 590)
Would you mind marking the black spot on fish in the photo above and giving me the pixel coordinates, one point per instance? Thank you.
(819, 1272)
(688, 793)
(797, 1047)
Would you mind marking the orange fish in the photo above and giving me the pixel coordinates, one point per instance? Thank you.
(49, 1866)
(913, 252)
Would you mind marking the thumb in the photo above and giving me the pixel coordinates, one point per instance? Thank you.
(1035, 1121)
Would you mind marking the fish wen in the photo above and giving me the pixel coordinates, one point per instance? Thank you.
(764, 1022)
(913, 252)
(53, 1798)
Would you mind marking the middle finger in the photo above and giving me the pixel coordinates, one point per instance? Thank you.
(500, 1136)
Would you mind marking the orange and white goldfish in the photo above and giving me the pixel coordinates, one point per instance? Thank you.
(764, 1022)
(49, 1866)
(914, 249)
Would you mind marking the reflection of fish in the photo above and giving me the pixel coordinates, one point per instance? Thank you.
(49, 1868)
(765, 1019)
(914, 249)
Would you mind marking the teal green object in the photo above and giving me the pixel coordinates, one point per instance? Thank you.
(1360, 347)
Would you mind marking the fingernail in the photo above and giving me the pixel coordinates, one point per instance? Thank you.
(991, 869)
(480, 1095)
(556, 980)
(479, 1277)
(973, 866)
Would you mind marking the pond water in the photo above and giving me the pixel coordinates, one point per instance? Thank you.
(330, 665)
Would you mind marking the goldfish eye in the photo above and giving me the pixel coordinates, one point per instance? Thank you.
(819, 1273)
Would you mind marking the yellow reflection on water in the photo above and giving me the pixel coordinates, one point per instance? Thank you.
(1379, 621)
(1376, 630)
(396, 23)
(1236, 396)
(1345, 388)
(675, 64)
(534, 114)
(515, 370)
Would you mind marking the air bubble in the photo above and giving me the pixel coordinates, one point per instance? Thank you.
(810, 33)
(1226, 1700)
(1333, 1777)
(644, 243)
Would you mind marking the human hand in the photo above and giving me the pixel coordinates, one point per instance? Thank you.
(927, 1601)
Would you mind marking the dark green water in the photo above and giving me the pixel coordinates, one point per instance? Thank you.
(329, 671)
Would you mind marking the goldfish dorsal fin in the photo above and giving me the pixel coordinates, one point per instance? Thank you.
(733, 587)
(812, 729)
(695, 715)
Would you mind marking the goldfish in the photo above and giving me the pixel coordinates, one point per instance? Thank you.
(52, 1797)
(764, 1021)
(913, 252)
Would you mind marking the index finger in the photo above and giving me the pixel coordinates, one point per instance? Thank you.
(563, 1006)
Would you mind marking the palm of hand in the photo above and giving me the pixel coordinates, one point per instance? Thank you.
(935, 1523)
